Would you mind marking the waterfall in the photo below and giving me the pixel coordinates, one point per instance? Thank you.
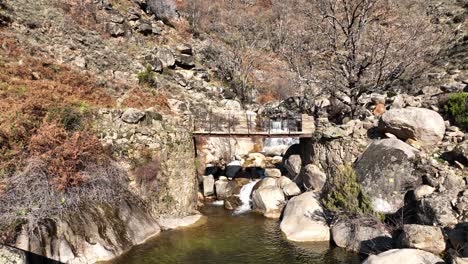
(244, 196)
(276, 146)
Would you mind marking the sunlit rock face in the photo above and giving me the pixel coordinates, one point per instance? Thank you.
(385, 172)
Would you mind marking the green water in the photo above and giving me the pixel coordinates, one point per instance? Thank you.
(237, 239)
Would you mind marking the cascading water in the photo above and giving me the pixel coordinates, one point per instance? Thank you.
(244, 196)
(278, 145)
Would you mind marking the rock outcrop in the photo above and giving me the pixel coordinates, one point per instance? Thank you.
(99, 233)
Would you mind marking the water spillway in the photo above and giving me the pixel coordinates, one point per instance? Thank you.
(244, 196)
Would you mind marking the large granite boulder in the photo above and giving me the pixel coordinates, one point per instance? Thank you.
(293, 164)
(265, 182)
(427, 238)
(404, 256)
(423, 125)
(269, 201)
(358, 236)
(312, 177)
(304, 220)
(385, 172)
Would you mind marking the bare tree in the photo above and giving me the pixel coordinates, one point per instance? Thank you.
(369, 44)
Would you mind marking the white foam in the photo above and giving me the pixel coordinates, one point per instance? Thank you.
(218, 203)
(245, 197)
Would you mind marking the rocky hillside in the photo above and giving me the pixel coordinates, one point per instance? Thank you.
(98, 99)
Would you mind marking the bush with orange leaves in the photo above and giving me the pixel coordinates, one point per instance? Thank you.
(66, 155)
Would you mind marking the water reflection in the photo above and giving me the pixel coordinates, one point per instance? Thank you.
(225, 238)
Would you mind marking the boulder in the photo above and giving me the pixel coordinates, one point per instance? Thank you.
(155, 63)
(9, 255)
(427, 238)
(458, 238)
(232, 202)
(358, 236)
(185, 61)
(404, 256)
(312, 177)
(283, 181)
(255, 160)
(265, 182)
(221, 189)
(208, 185)
(291, 189)
(231, 105)
(385, 172)
(304, 220)
(269, 201)
(165, 10)
(166, 57)
(132, 116)
(233, 188)
(423, 191)
(293, 164)
(274, 173)
(145, 28)
(115, 29)
(184, 48)
(460, 153)
(423, 125)
(436, 210)
(458, 260)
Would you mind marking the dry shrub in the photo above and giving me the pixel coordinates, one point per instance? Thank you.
(66, 155)
(30, 196)
(83, 12)
(47, 138)
(142, 98)
(29, 91)
(265, 98)
(183, 29)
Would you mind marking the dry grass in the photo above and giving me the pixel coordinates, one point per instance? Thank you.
(144, 98)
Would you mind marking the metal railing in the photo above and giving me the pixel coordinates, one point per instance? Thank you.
(244, 123)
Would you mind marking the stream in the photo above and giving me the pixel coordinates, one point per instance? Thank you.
(232, 238)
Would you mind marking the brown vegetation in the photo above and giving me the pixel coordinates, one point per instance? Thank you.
(33, 91)
(144, 98)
